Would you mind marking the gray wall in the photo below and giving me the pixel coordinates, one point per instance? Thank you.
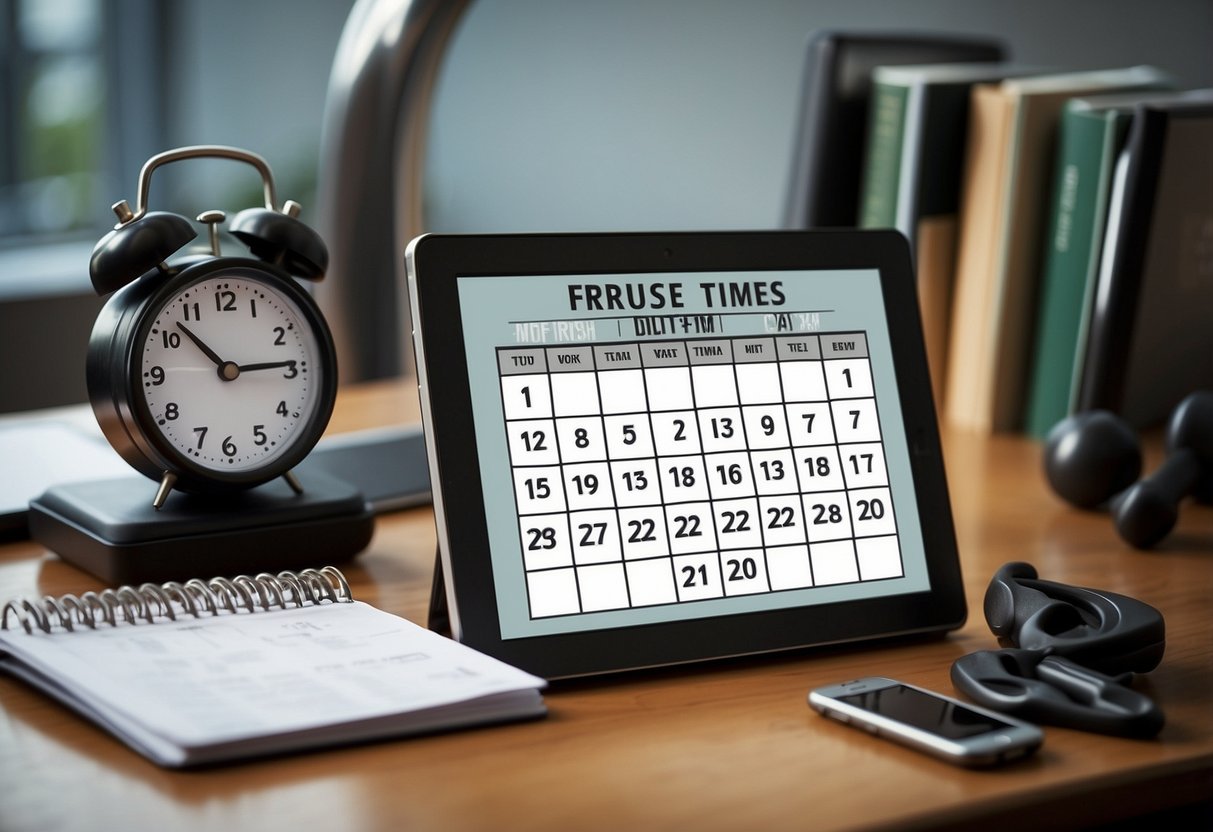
(678, 114)
(564, 114)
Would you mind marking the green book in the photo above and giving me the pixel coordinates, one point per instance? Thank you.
(1089, 141)
(1092, 135)
(882, 159)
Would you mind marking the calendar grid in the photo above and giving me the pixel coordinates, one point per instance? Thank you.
(648, 414)
(696, 468)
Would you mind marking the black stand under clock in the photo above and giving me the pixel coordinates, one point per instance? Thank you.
(213, 375)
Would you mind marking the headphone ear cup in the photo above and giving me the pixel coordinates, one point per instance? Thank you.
(132, 250)
(280, 238)
(1005, 599)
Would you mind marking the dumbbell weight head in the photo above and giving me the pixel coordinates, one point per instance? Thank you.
(1191, 427)
(1147, 511)
(1090, 457)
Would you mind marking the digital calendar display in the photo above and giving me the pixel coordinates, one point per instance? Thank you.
(657, 447)
(626, 456)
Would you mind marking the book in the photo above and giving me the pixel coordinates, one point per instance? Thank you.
(203, 672)
(1150, 341)
(915, 144)
(1008, 165)
(1090, 139)
(827, 152)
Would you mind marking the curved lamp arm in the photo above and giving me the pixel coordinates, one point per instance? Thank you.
(369, 194)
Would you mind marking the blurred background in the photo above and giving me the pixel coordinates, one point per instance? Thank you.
(548, 115)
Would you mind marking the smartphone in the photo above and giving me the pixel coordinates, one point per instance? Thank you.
(947, 728)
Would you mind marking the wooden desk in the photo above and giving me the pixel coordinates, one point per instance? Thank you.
(729, 745)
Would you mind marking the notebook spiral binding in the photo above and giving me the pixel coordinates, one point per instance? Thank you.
(194, 597)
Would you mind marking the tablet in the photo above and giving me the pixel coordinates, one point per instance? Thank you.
(648, 449)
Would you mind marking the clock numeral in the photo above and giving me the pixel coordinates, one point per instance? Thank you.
(188, 307)
(280, 341)
(228, 447)
(201, 435)
(259, 435)
(252, 303)
(281, 409)
(291, 370)
(172, 340)
(225, 301)
(171, 411)
(157, 375)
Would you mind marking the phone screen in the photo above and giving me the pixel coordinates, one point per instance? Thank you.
(921, 710)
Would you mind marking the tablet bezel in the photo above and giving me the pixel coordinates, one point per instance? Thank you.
(434, 262)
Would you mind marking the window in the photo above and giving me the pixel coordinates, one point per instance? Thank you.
(53, 121)
(77, 112)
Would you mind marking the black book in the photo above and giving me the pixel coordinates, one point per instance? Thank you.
(827, 156)
(1151, 336)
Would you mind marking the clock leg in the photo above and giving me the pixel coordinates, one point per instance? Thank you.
(293, 482)
(166, 485)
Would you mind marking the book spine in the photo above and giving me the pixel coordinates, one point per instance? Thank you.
(1086, 151)
(934, 148)
(882, 160)
(982, 212)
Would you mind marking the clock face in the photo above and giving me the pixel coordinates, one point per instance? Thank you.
(230, 371)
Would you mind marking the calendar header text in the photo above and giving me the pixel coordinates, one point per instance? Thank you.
(621, 296)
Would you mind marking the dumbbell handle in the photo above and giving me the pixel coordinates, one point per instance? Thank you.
(1147, 511)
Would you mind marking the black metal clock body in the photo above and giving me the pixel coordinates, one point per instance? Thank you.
(209, 372)
(220, 371)
(212, 372)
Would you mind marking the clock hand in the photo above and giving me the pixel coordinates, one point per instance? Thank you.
(228, 370)
(269, 365)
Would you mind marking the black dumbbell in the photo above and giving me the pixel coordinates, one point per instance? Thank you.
(1147, 512)
(1092, 459)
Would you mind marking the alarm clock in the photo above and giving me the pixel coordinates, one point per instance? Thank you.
(210, 372)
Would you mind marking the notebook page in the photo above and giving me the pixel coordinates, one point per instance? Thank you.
(241, 675)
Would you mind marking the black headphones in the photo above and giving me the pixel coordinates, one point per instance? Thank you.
(1069, 654)
(143, 240)
(1093, 459)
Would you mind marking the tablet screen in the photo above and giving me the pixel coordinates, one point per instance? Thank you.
(657, 448)
(670, 446)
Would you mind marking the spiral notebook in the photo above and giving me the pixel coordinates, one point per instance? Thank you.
(209, 671)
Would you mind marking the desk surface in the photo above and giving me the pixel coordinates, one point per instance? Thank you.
(723, 745)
